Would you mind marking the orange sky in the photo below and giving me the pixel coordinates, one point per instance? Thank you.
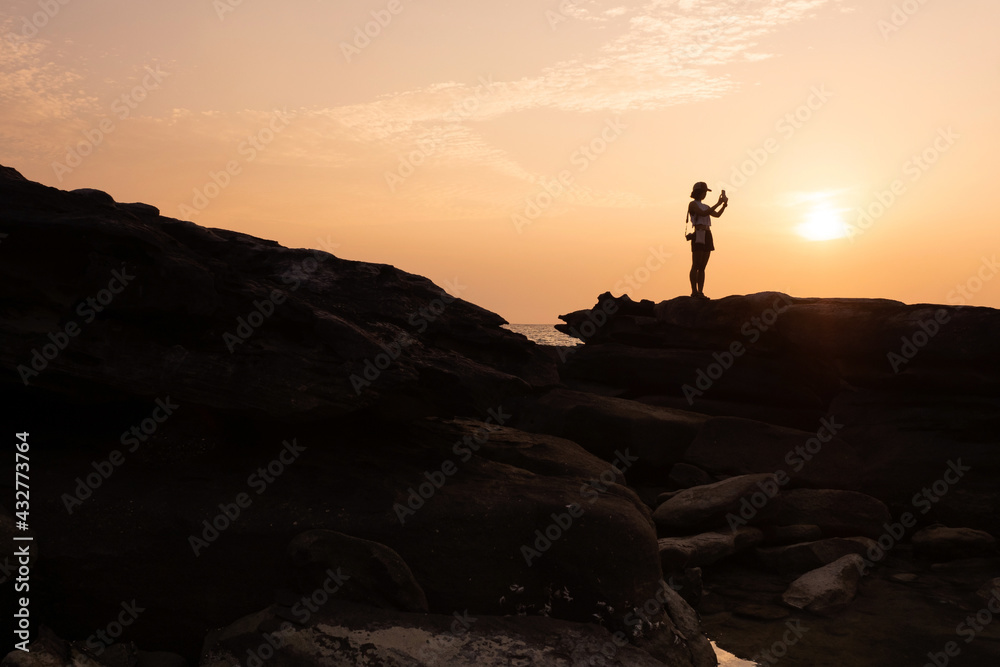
(438, 144)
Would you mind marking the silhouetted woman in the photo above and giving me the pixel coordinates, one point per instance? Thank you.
(701, 215)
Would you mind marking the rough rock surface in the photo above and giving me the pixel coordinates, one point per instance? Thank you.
(811, 555)
(826, 590)
(345, 634)
(366, 571)
(708, 505)
(942, 543)
(678, 553)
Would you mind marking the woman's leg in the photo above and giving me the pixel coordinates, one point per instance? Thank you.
(694, 273)
(701, 270)
(699, 260)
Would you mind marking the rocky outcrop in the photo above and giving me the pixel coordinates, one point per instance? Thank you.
(231, 322)
(359, 635)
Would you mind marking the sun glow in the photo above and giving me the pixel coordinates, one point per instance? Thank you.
(822, 224)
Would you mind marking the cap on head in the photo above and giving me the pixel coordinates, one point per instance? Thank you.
(700, 186)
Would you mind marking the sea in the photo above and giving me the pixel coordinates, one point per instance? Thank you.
(544, 334)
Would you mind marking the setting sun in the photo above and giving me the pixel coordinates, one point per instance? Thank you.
(823, 224)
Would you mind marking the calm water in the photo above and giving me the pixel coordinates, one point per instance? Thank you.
(544, 334)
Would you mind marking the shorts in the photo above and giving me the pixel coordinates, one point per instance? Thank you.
(708, 245)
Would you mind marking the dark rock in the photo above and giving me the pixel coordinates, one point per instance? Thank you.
(688, 583)
(734, 446)
(826, 590)
(343, 633)
(657, 437)
(677, 553)
(779, 535)
(990, 592)
(811, 555)
(373, 573)
(685, 475)
(941, 543)
(837, 513)
(764, 612)
(98, 196)
(141, 210)
(708, 505)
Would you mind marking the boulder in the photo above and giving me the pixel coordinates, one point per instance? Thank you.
(677, 553)
(365, 571)
(348, 634)
(940, 543)
(817, 459)
(811, 555)
(709, 504)
(990, 592)
(826, 590)
(604, 425)
(685, 475)
(778, 535)
(838, 513)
